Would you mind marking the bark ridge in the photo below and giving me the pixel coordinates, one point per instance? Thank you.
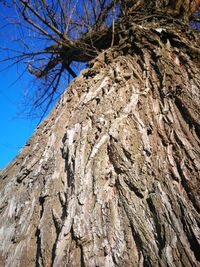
(111, 177)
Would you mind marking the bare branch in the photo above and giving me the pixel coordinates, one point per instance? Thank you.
(58, 33)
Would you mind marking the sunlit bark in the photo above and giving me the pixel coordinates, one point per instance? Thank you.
(111, 177)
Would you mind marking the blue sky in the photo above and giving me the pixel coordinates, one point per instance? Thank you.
(15, 127)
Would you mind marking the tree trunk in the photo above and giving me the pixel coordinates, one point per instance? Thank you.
(111, 177)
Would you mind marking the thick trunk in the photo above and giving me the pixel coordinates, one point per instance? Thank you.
(111, 177)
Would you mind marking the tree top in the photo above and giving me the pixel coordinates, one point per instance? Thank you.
(77, 31)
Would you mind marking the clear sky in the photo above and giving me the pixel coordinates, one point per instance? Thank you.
(15, 127)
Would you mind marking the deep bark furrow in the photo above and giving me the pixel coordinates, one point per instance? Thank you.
(116, 181)
(38, 258)
(187, 116)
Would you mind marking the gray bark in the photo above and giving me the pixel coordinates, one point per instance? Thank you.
(111, 177)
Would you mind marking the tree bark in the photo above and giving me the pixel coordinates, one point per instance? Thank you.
(111, 177)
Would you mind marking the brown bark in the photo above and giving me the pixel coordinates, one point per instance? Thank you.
(111, 177)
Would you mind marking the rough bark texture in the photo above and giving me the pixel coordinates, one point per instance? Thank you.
(111, 177)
